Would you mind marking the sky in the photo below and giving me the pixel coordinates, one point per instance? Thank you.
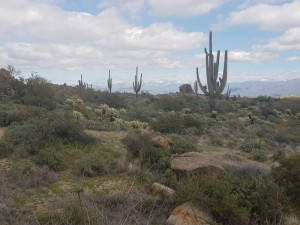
(62, 39)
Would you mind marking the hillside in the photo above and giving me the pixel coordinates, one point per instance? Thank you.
(73, 155)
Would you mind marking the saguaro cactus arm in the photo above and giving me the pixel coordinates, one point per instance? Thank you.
(203, 88)
(109, 82)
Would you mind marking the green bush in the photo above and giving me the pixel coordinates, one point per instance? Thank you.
(91, 165)
(250, 144)
(138, 144)
(263, 197)
(288, 176)
(38, 133)
(215, 195)
(160, 159)
(169, 123)
(183, 144)
(4, 149)
(51, 157)
(171, 103)
(39, 92)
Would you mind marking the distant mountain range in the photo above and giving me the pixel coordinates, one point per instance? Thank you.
(243, 89)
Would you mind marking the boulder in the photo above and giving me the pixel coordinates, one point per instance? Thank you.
(188, 214)
(162, 142)
(186, 88)
(166, 191)
(194, 164)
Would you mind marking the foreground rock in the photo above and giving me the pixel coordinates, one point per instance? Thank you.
(166, 191)
(195, 164)
(162, 142)
(188, 214)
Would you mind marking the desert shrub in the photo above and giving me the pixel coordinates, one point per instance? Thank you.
(288, 176)
(288, 103)
(4, 149)
(114, 100)
(39, 133)
(138, 144)
(26, 175)
(268, 111)
(183, 144)
(215, 195)
(143, 114)
(17, 115)
(52, 157)
(223, 107)
(259, 155)
(249, 145)
(171, 103)
(263, 197)
(91, 165)
(126, 207)
(160, 159)
(169, 123)
(215, 140)
(39, 92)
(4, 121)
(192, 121)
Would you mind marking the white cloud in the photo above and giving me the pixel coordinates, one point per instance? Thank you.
(56, 39)
(267, 17)
(251, 56)
(293, 58)
(288, 41)
(184, 8)
(131, 7)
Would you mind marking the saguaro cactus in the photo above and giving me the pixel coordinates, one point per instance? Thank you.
(214, 88)
(137, 85)
(109, 82)
(196, 88)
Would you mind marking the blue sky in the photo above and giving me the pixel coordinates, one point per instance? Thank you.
(61, 39)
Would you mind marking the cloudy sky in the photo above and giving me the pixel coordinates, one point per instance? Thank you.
(61, 39)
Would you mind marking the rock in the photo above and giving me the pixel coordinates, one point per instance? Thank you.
(166, 191)
(162, 142)
(186, 88)
(195, 163)
(188, 214)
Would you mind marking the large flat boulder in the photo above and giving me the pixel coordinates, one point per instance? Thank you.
(188, 214)
(195, 164)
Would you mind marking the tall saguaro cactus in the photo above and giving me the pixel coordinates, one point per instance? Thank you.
(214, 88)
(109, 82)
(137, 85)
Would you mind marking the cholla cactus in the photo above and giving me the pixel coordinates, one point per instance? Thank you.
(111, 113)
(109, 82)
(77, 115)
(137, 85)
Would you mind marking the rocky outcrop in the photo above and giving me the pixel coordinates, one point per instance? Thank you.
(166, 191)
(188, 214)
(162, 142)
(194, 164)
(186, 88)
